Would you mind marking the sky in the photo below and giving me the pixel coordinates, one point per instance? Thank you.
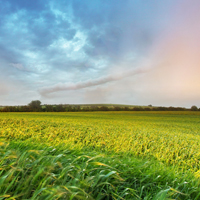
(81, 52)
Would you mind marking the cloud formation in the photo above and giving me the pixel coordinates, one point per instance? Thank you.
(90, 83)
(51, 47)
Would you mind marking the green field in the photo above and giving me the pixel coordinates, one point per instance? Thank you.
(100, 155)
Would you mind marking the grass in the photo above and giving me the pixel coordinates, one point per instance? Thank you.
(31, 171)
(115, 155)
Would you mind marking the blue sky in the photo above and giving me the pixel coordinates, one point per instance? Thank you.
(129, 52)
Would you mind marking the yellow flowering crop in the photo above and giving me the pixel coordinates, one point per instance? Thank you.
(170, 137)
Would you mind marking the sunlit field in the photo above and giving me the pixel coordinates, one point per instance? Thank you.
(100, 155)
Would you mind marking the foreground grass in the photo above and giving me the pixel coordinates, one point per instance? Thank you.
(31, 171)
(113, 155)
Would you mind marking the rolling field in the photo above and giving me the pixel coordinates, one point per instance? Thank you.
(100, 155)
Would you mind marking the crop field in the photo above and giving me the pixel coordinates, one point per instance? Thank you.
(100, 155)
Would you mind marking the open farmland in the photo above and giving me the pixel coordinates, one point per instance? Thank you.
(100, 155)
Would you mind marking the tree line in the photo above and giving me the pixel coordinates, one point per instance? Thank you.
(35, 106)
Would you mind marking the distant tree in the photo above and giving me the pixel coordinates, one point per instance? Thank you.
(69, 109)
(86, 109)
(138, 108)
(24, 109)
(49, 108)
(180, 108)
(6, 109)
(147, 109)
(77, 108)
(117, 108)
(104, 108)
(93, 108)
(161, 108)
(59, 108)
(126, 108)
(35, 105)
(155, 109)
(194, 108)
(171, 108)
